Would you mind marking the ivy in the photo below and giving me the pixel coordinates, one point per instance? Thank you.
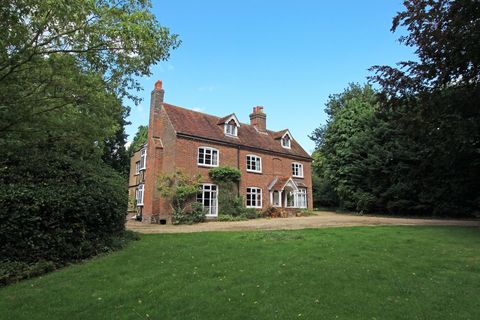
(181, 189)
(225, 175)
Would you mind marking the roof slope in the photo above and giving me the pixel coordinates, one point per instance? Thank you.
(206, 126)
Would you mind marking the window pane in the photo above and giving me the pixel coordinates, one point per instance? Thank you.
(215, 158)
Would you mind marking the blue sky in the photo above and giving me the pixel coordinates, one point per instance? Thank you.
(287, 56)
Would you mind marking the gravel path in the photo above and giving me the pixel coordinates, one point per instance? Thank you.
(324, 219)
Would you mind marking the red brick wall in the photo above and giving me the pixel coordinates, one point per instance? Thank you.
(186, 160)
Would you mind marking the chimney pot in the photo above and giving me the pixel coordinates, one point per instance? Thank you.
(258, 119)
(158, 85)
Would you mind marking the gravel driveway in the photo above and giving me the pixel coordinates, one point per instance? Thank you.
(324, 219)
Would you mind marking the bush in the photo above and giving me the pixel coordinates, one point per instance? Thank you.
(242, 215)
(250, 213)
(195, 214)
(58, 209)
(227, 218)
(306, 213)
(14, 271)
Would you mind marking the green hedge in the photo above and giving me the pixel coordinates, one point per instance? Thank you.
(58, 209)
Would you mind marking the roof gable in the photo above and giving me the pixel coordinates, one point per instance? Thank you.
(229, 119)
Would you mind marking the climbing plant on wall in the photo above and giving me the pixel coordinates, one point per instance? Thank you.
(227, 179)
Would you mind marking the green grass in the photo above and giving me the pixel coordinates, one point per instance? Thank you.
(344, 273)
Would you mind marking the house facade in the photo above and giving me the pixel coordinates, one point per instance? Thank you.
(276, 170)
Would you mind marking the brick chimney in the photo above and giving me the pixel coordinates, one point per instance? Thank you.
(151, 197)
(258, 119)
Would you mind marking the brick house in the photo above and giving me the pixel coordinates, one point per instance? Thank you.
(276, 170)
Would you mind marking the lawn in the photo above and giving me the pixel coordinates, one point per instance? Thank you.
(341, 273)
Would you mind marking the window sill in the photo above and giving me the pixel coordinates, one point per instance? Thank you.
(253, 171)
(298, 177)
(207, 165)
(249, 207)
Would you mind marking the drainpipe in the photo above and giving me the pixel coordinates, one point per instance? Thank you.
(238, 167)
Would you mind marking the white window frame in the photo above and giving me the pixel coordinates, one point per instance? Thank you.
(212, 208)
(143, 159)
(231, 130)
(297, 170)
(283, 140)
(302, 200)
(255, 192)
(278, 203)
(212, 152)
(256, 160)
(140, 192)
(287, 145)
(137, 168)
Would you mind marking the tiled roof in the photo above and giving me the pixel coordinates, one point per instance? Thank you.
(279, 183)
(279, 134)
(206, 126)
(222, 120)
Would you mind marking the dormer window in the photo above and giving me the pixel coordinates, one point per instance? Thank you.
(230, 125)
(231, 129)
(287, 141)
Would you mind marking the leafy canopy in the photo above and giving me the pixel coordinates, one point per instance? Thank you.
(139, 140)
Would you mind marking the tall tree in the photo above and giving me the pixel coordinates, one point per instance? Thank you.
(115, 153)
(354, 150)
(139, 140)
(436, 101)
(65, 68)
(446, 38)
(114, 41)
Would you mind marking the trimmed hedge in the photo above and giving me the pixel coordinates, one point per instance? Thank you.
(58, 209)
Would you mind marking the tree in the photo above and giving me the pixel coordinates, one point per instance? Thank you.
(65, 68)
(139, 140)
(324, 194)
(351, 151)
(435, 101)
(115, 154)
(58, 57)
(446, 36)
(118, 40)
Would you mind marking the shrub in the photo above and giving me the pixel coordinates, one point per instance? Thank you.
(305, 213)
(182, 189)
(195, 214)
(13, 271)
(227, 218)
(250, 213)
(58, 209)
